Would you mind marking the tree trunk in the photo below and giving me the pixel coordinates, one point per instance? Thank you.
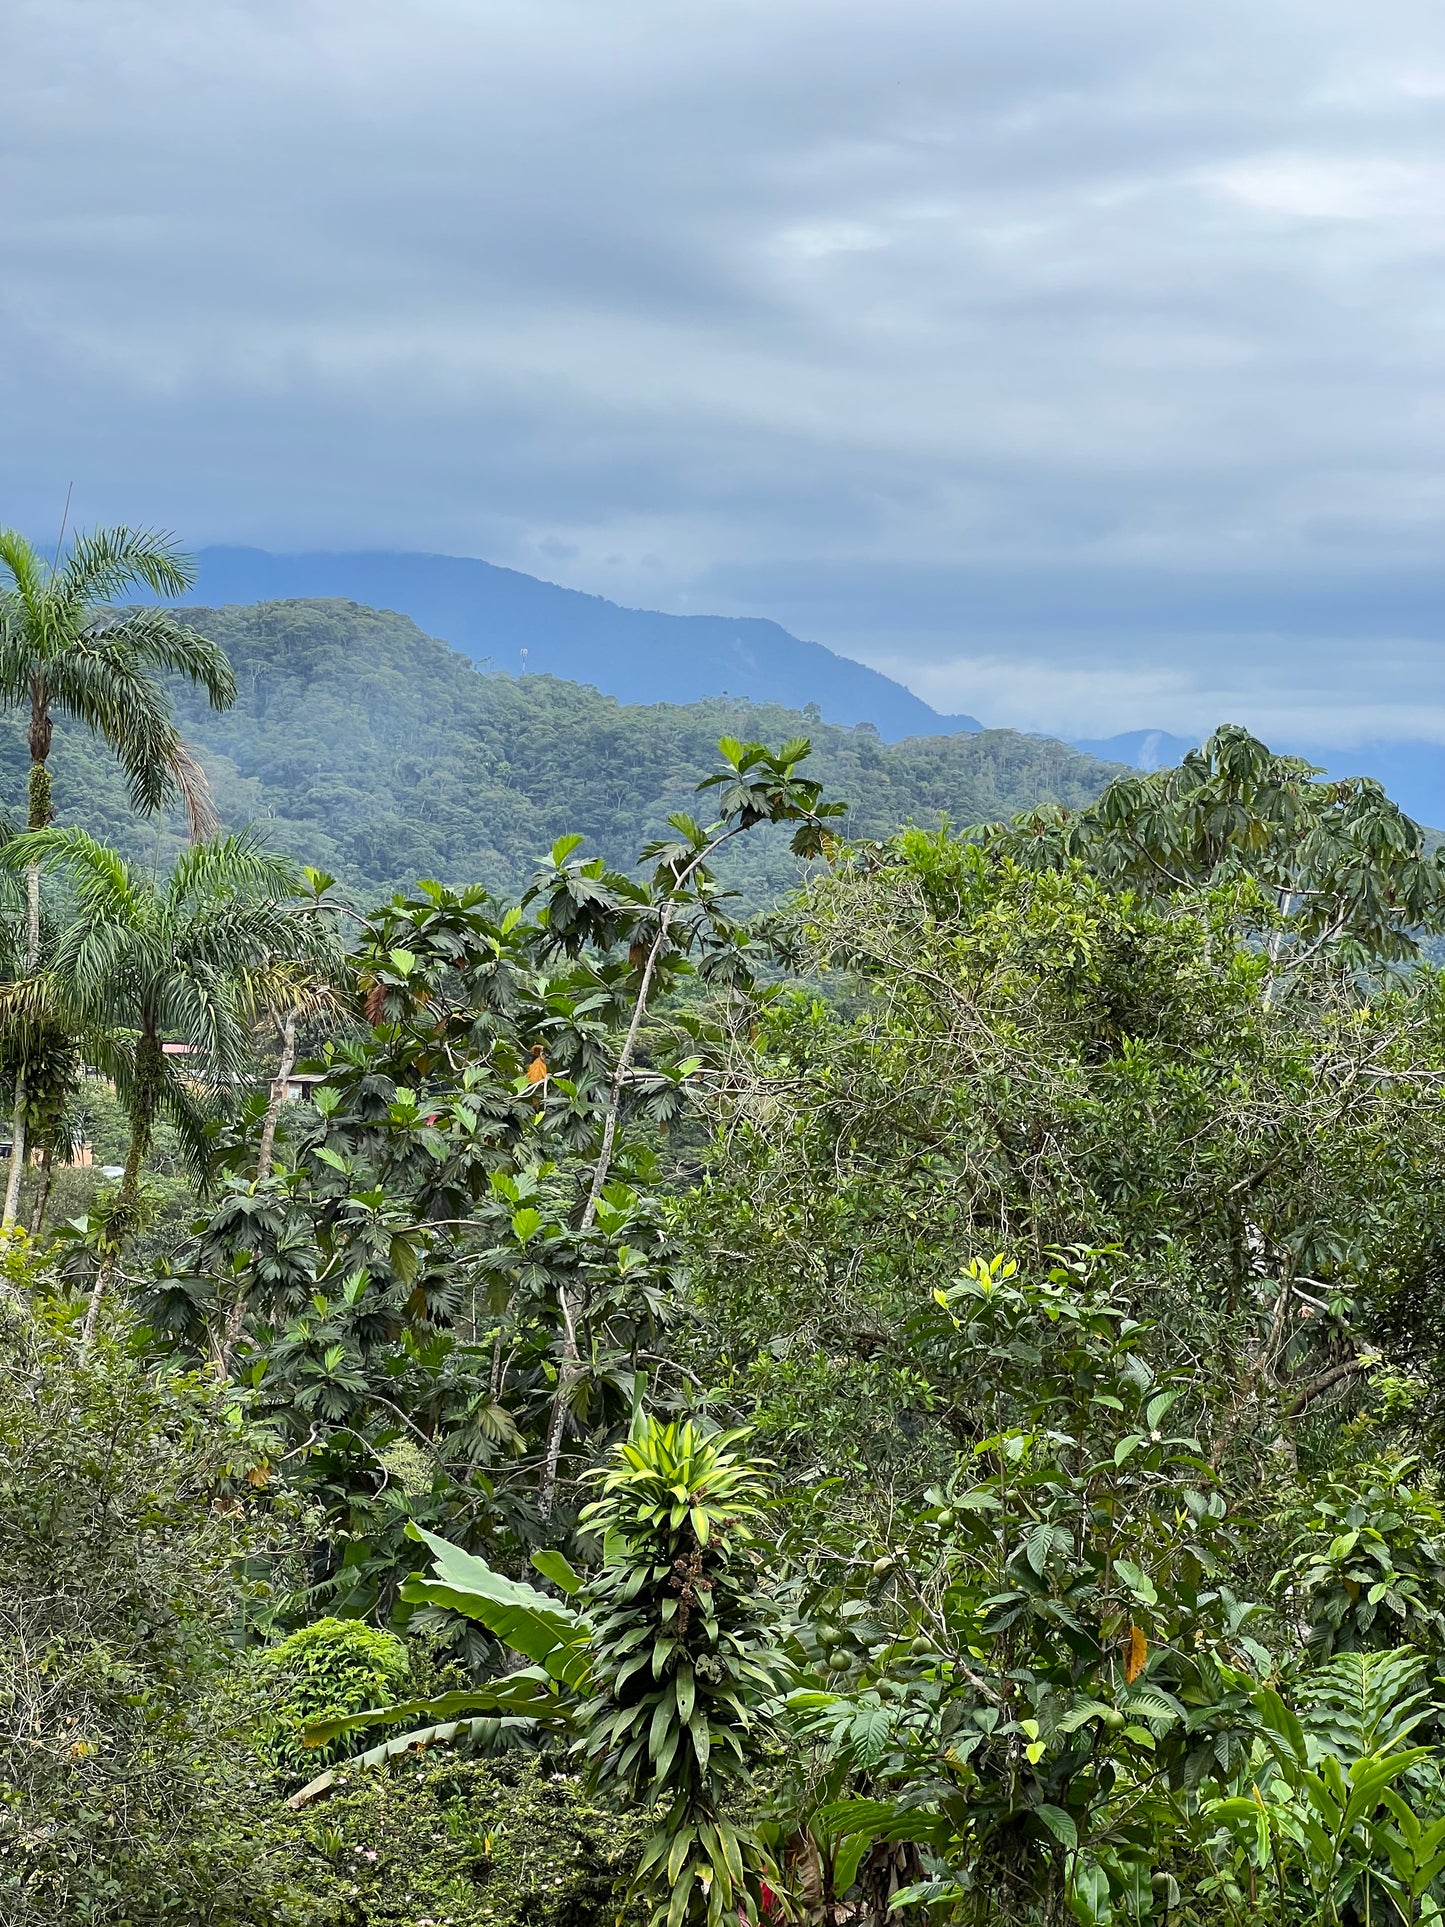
(149, 1069)
(571, 1356)
(42, 1194)
(17, 1152)
(278, 1095)
(38, 817)
(38, 814)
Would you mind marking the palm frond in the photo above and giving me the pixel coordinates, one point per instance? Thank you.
(112, 1051)
(101, 565)
(104, 882)
(189, 1116)
(21, 561)
(232, 866)
(110, 693)
(153, 637)
(199, 1003)
(15, 654)
(194, 786)
(29, 1007)
(306, 985)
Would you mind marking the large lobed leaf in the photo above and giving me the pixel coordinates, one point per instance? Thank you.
(542, 1629)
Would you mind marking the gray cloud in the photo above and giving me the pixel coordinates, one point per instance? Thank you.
(1082, 366)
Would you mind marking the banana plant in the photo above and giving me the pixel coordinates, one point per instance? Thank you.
(548, 1632)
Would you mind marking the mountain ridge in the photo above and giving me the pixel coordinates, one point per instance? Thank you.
(363, 746)
(519, 622)
(645, 656)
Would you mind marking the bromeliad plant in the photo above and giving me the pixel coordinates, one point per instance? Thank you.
(663, 1671)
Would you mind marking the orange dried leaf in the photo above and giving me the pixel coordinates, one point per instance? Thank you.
(1137, 1654)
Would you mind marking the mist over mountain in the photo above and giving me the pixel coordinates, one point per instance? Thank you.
(517, 623)
(522, 625)
(360, 744)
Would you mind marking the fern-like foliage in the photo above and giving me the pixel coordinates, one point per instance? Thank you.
(1362, 1703)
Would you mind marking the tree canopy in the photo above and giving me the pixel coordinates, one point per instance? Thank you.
(914, 1399)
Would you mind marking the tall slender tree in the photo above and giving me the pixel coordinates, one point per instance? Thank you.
(149, 962)
(67, 650)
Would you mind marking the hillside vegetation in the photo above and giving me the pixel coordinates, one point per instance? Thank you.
(376, 752)
(506, 620)
(923, 1410)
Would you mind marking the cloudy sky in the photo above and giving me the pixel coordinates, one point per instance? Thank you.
(1080, 364)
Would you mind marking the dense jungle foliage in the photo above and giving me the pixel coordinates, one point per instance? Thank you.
(924, 1404)
(382, 756)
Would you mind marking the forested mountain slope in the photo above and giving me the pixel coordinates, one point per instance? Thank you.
(366, 747)
(512, 621)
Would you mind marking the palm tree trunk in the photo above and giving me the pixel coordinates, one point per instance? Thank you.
(278, 1095)
(38, 817)
(42, 1195)
(18, 1119)
(145, 1097)
(17, 1152)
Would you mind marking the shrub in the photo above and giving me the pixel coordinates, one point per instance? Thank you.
(330, 1667)
(1367, 1562)
(123, 1778)
(448, 1839)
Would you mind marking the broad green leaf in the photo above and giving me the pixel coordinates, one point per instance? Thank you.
(556, 1567)
(1138, 1581)
(531, 1623)
(1060, 1825)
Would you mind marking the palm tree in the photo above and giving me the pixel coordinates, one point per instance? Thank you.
(65, 650)
(41, 1042)
(144, 963)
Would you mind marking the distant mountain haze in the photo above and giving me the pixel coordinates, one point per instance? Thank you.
(1145, 749)
(520, 624)
(360, 744)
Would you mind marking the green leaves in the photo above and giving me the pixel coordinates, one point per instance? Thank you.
(529, 1622)
(681, 1665)
(1138, 1582)
(674, 1476)
(1314, 869)
(660, 1666)
(1367, 1566)
(554, 1566)
(61, 644)
(1324, 1813)
(759, 786)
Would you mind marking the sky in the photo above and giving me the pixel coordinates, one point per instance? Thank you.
(1082, 366)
